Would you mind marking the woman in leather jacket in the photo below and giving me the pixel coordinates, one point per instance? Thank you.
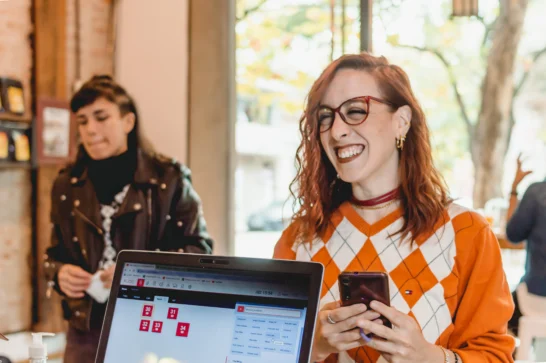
(118, 194)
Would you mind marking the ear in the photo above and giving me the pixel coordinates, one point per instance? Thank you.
(402, 121)
(128, 122)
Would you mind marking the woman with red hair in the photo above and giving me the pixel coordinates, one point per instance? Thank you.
(370, 199)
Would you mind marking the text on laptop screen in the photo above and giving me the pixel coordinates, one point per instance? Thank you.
(167, 314)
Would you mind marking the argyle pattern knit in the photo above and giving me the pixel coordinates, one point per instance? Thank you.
(450, 280)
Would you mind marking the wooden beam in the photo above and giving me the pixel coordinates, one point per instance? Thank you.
(50, 48)
(366, 15)
(212, 114)
(50, 53)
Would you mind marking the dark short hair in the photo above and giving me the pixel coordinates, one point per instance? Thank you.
(104, 86)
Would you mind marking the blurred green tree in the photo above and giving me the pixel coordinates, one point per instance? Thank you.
(477, 70)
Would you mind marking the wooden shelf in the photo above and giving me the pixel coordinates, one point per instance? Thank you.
(9, 117)
(15, 165)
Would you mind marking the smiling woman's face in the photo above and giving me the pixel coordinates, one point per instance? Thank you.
(365, 152)
(103, 130)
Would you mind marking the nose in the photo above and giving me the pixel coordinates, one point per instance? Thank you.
(90, 128)
(339, 128)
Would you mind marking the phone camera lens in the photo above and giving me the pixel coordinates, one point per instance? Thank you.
(345, 281)
(345, 289)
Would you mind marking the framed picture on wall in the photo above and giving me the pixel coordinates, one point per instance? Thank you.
(55, 132)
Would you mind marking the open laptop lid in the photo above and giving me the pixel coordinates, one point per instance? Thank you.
(201, 308)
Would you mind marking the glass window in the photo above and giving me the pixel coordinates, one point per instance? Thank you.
(423, 38)
(282, 46)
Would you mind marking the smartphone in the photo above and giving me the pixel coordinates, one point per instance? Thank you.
(363, 288)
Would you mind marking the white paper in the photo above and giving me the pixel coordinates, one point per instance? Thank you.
(56, 132)
(97, 290)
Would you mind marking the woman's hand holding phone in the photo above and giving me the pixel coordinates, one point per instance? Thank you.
(337, 329)
(404, 342)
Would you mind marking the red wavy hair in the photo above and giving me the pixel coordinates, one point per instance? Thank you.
(317, 190)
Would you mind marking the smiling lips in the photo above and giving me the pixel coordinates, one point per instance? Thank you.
(95, 143)
(348, 153)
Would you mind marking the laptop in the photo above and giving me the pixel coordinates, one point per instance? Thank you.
(189, 308)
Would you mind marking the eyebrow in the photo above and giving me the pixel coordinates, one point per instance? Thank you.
(96, 112)
(354, 99)
(325, 105)
(100, 110)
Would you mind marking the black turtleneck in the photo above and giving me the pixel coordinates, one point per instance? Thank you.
(109, 176)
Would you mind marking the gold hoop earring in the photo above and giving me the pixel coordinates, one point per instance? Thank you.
(400, 142)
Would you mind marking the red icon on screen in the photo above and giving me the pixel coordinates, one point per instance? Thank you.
(148, 310)
(140, 282)
(240, 309)
(157, 326)
(173, 313)
(144, 325)
(182, 330)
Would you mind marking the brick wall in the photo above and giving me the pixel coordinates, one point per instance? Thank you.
(15, 188)
(15, 248)
(95, 26)
(15, 52)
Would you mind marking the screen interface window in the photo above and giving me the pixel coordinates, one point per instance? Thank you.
(165, 314)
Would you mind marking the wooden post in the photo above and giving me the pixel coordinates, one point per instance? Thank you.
(366, 15)
(50, 48)
(212, 114)
(50, 81)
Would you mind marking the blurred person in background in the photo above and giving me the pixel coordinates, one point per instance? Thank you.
(526, 221)
(118, 194)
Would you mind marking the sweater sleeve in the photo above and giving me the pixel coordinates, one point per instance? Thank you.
(485, 303)
(283, 248)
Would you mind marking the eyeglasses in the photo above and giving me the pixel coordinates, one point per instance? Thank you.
(354, 111)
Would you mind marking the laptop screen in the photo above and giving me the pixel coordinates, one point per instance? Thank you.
(194, 315)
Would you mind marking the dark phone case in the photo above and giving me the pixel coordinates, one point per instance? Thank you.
(363, 288)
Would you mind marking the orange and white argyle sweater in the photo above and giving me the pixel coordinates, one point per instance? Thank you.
(451, 281)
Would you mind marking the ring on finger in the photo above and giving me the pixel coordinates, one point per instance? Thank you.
(330, 320)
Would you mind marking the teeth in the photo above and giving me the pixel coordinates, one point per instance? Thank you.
(349, 152)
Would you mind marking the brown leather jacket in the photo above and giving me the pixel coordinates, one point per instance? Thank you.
(161, 211)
